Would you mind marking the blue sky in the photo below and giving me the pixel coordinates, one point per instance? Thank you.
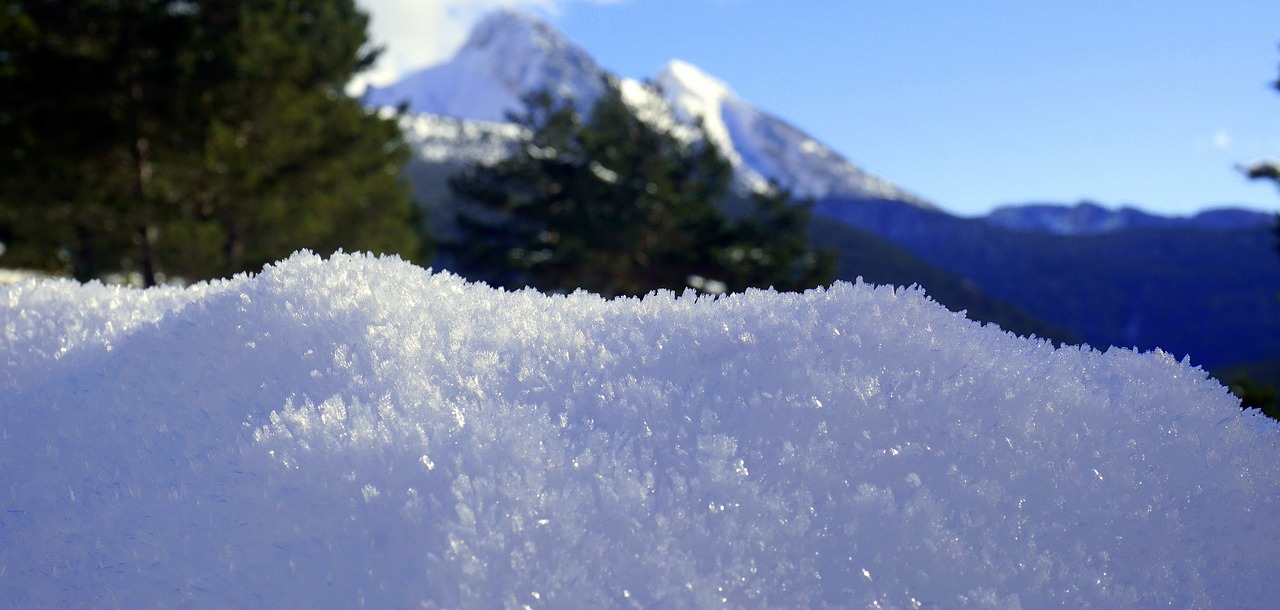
(971, 104)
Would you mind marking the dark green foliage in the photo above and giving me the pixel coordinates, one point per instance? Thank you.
(770, 245)
(1267, 170)
(190, 138)
(616, 206)
(1254, 394)
(87, 93)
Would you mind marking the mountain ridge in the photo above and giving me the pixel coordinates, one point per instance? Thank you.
(1204, 292)
(511, 55)
(508, 55)
(1090, 218)
(465, 102)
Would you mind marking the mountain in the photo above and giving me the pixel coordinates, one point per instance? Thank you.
(440, 139)
(507, 56)
(862, 254)
(510, 55)
(1088, 218)
(1203, 289)
(1202, 285)
(767, 147)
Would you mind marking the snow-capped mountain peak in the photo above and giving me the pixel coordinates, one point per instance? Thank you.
(508, 56)
(765, 147)
(694, 82)
(694, 95)
(525, 54)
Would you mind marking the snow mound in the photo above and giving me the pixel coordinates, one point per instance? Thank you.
(361, 432)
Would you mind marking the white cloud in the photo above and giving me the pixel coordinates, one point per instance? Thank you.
(419, 33)
(1221, 139)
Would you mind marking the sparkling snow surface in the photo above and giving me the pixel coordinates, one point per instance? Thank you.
(358, 431)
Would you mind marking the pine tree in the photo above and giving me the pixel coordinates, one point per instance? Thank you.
(770, 246)
(191, 138)
(1254, 394)
(91, 94)
(616, 206)
(290, 160)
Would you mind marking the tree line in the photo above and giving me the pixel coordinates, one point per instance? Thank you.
(612, 204)
(192, 139)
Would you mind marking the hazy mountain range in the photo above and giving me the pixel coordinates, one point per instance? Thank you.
(1202, 285)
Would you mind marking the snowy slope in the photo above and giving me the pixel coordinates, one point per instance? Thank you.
(511, 55)
(359, 432)
(436, 138)
(767, 147)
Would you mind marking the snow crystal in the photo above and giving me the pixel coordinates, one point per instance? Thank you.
(359, 431)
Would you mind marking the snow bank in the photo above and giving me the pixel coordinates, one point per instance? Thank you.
(359, 431)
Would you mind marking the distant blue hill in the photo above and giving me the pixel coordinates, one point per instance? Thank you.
(1203, 286)
(1088, 218)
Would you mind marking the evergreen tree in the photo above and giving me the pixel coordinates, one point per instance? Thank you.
(770, 246)
(1269, 170)
(191, 138)
(1253, 394)
(288, 159)
(91, 93)
(613, 205)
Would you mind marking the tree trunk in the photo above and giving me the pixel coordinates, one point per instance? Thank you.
(148, 232)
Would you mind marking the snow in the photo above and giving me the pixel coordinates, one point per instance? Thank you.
(763, 147)
(694, 95)
(10, 276)
(511, 55)
(357, 431)
(437, 139)
(507, 56)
